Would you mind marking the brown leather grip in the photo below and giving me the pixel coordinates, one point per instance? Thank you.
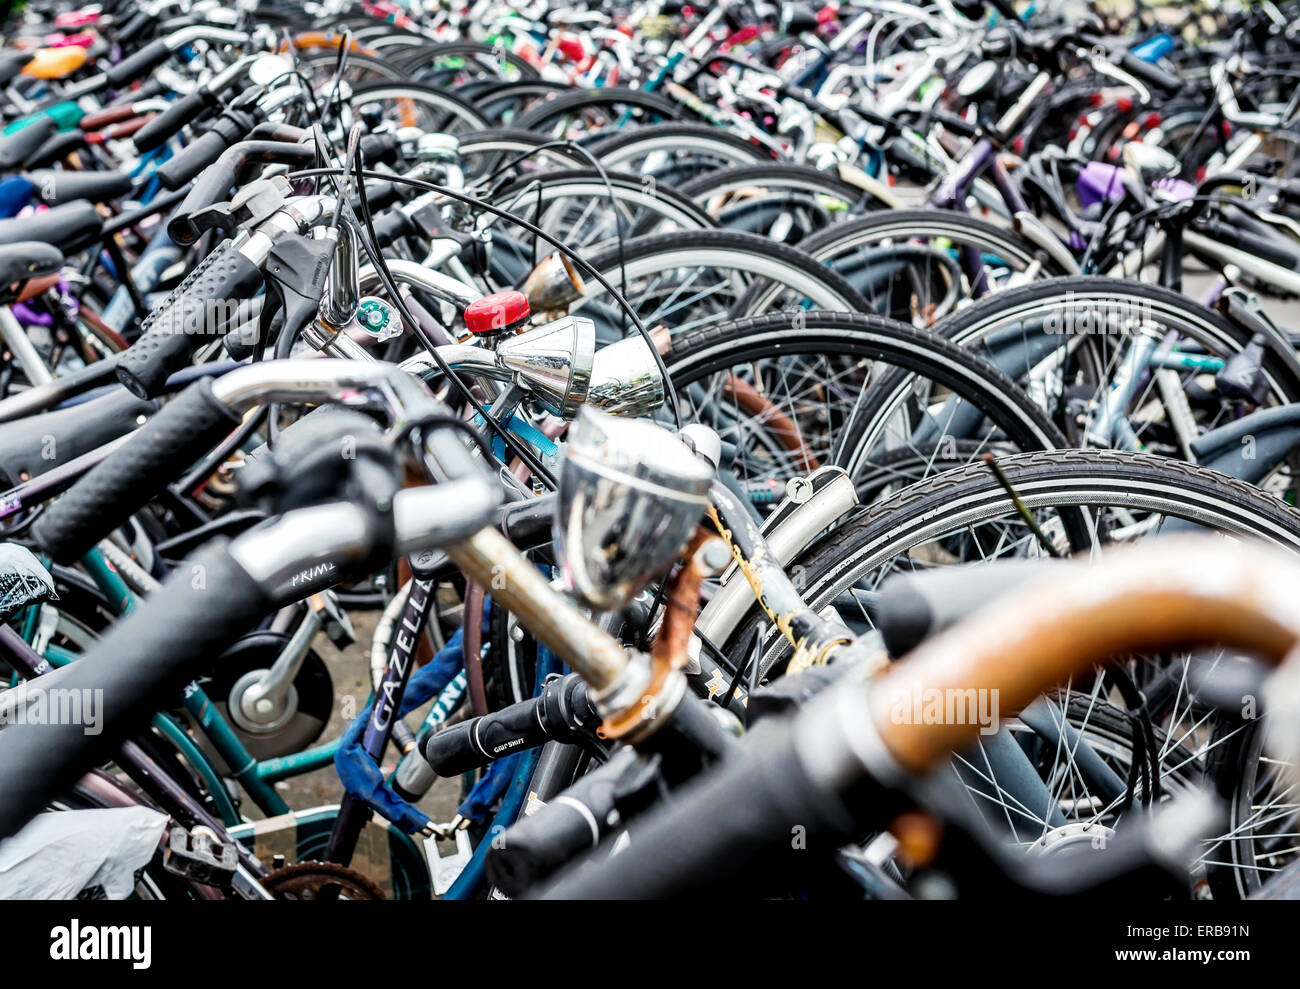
(109, 115)
(1166, 594)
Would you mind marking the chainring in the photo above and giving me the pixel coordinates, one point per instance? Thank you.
(306, 880)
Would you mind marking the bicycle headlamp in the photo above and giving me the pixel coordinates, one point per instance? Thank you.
(630, 496)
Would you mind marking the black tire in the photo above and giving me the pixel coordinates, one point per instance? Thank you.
(587, 210)
(968, 327)
(499, 99)
(667, 204)
(796, 272)
(484, 152)
(839, 246)
(437, 109)
(609, 101)
(705, 147)
(902, 528)
(414, 64)
(821, 198)
(854, 339)
(1058, 479)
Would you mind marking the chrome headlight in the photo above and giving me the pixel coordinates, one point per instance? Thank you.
(631, 494)
(553, 362)
(625, 379)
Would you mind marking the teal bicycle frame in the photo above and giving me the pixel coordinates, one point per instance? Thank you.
(256, 777)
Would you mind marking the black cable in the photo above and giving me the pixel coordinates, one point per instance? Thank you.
(390, 286)
(304, 84)
(333, 88)
(439, 420)
(579, 262)
(609, 190)
(750, 656)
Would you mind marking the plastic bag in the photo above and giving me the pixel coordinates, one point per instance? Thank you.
(61, 853)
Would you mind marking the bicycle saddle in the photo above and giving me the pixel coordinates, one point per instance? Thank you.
(56, 63)
(69, 227)
(56, 149)
(17, 147)
(11, 63)
(27, 259)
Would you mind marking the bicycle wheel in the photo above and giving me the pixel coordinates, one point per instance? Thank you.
(453, 63)
(967, 516)
(503, 102)
(785, 203)
(583, 112)
(675, 153)
(586, 210)
(786, 391)
(414, 105)
(699, 277)
(919, 265)
(1259, 840)
(492, 152)
(1067, 339)
(319, 66)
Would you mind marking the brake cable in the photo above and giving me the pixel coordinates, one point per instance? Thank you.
(596, 164)
(583, 266)
(371, 244)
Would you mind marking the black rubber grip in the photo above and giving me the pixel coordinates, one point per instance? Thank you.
(215, 180)
(136, 669)
(392, 226)
(186, 110)
(914, 606)
(1150, 74)
(736, 819)
(134, 27)
(17, 147)
(535, 846)
(138, 64)
(1264, 244)
(479, 741)
(56, 148)
(203, 306)
(32, 445)
(130, 477)
(380, 148)
(193, 159)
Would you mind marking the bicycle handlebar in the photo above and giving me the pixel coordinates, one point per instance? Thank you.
(135, 473)
(474, 743)
(831, 767)
(218, 174)
(203, 307)
(185, 110)
(146, 59)
(133, 671)
(206, 605)
(1149, 73)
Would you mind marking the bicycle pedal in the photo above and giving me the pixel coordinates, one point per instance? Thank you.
(197, 856)
(445, 869)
